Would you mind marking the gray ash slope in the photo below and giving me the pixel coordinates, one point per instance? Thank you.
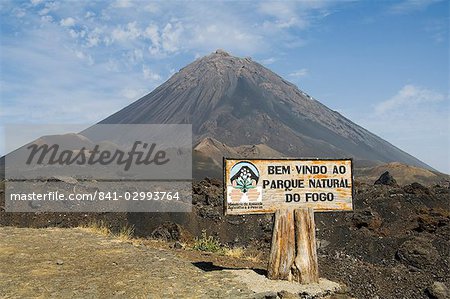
(238, 101)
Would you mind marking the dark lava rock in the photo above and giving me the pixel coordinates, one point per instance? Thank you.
(366, 218)
(167, 231)
(430, 220)
(438, 290)
(177, 245)
(386, 179)
(416, 189)
(214, 182)
(209, 213)
(266, 295)
(207, 191)
(418, 253)
(287, 295)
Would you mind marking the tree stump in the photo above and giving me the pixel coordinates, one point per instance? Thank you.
(282, 251)
(305, 268)
(293, 254)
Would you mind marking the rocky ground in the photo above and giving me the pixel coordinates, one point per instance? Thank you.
(81, 263)
(73, 263)
(395, 244)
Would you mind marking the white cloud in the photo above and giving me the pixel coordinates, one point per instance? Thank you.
(94, 37)
(48, 7)
(19, 12)
(89, 15)
(288, 14)
(438, 30)
(85, 57)
(135, 56)
(299, 73)
(152, 7)
(409, 96)
(165, 41)
(199, 28)
(152, 33)
(77, 34)
(170, 37)
(283, 13)
(268, 61)
(408, 6)
(133, 93)
(129, 32)
(122, 3)
(47, 19)
(67, 22)
(70, 91)
(222, 34)
(149, 75)
(36, 2)
(416, 119)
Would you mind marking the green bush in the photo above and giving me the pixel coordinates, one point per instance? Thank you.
(207, 243)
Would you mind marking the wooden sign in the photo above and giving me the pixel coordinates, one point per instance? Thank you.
(264, 186)
(293, 189)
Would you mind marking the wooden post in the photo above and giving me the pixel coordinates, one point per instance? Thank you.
(305, 268)
(293, 254)
(282, 251)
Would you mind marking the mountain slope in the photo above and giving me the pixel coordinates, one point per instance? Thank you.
(209, 147)
(238, 101)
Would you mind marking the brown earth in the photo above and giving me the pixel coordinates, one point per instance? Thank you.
(74, 263)
(81, 263)
(395, 244)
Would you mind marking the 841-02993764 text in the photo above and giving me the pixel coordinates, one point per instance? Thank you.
(150, 195)
(98, 195)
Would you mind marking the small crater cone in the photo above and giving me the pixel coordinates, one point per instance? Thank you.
(386, 179)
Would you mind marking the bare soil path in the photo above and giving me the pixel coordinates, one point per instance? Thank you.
(74, 263)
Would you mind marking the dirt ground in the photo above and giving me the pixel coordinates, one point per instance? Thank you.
(78, 263)
(74, 263)
(395, 244)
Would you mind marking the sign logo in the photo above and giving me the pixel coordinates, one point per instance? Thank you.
(244, 177)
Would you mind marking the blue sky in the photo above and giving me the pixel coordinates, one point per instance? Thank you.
(382, 64)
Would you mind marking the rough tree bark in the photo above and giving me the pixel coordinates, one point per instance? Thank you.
(293, 254)
(305, 267)
(282, 251)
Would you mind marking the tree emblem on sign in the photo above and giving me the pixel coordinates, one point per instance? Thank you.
(244, 176)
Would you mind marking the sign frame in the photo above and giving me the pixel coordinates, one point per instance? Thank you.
(225, 202)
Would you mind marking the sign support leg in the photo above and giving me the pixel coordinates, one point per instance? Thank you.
(305, 268)
(282, 251)
(293, 254)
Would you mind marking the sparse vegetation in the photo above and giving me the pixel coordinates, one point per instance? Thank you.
(207, 243)
(96, 227)
(240, 252)
(236, 252)
(254, 256)
(125, 233)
